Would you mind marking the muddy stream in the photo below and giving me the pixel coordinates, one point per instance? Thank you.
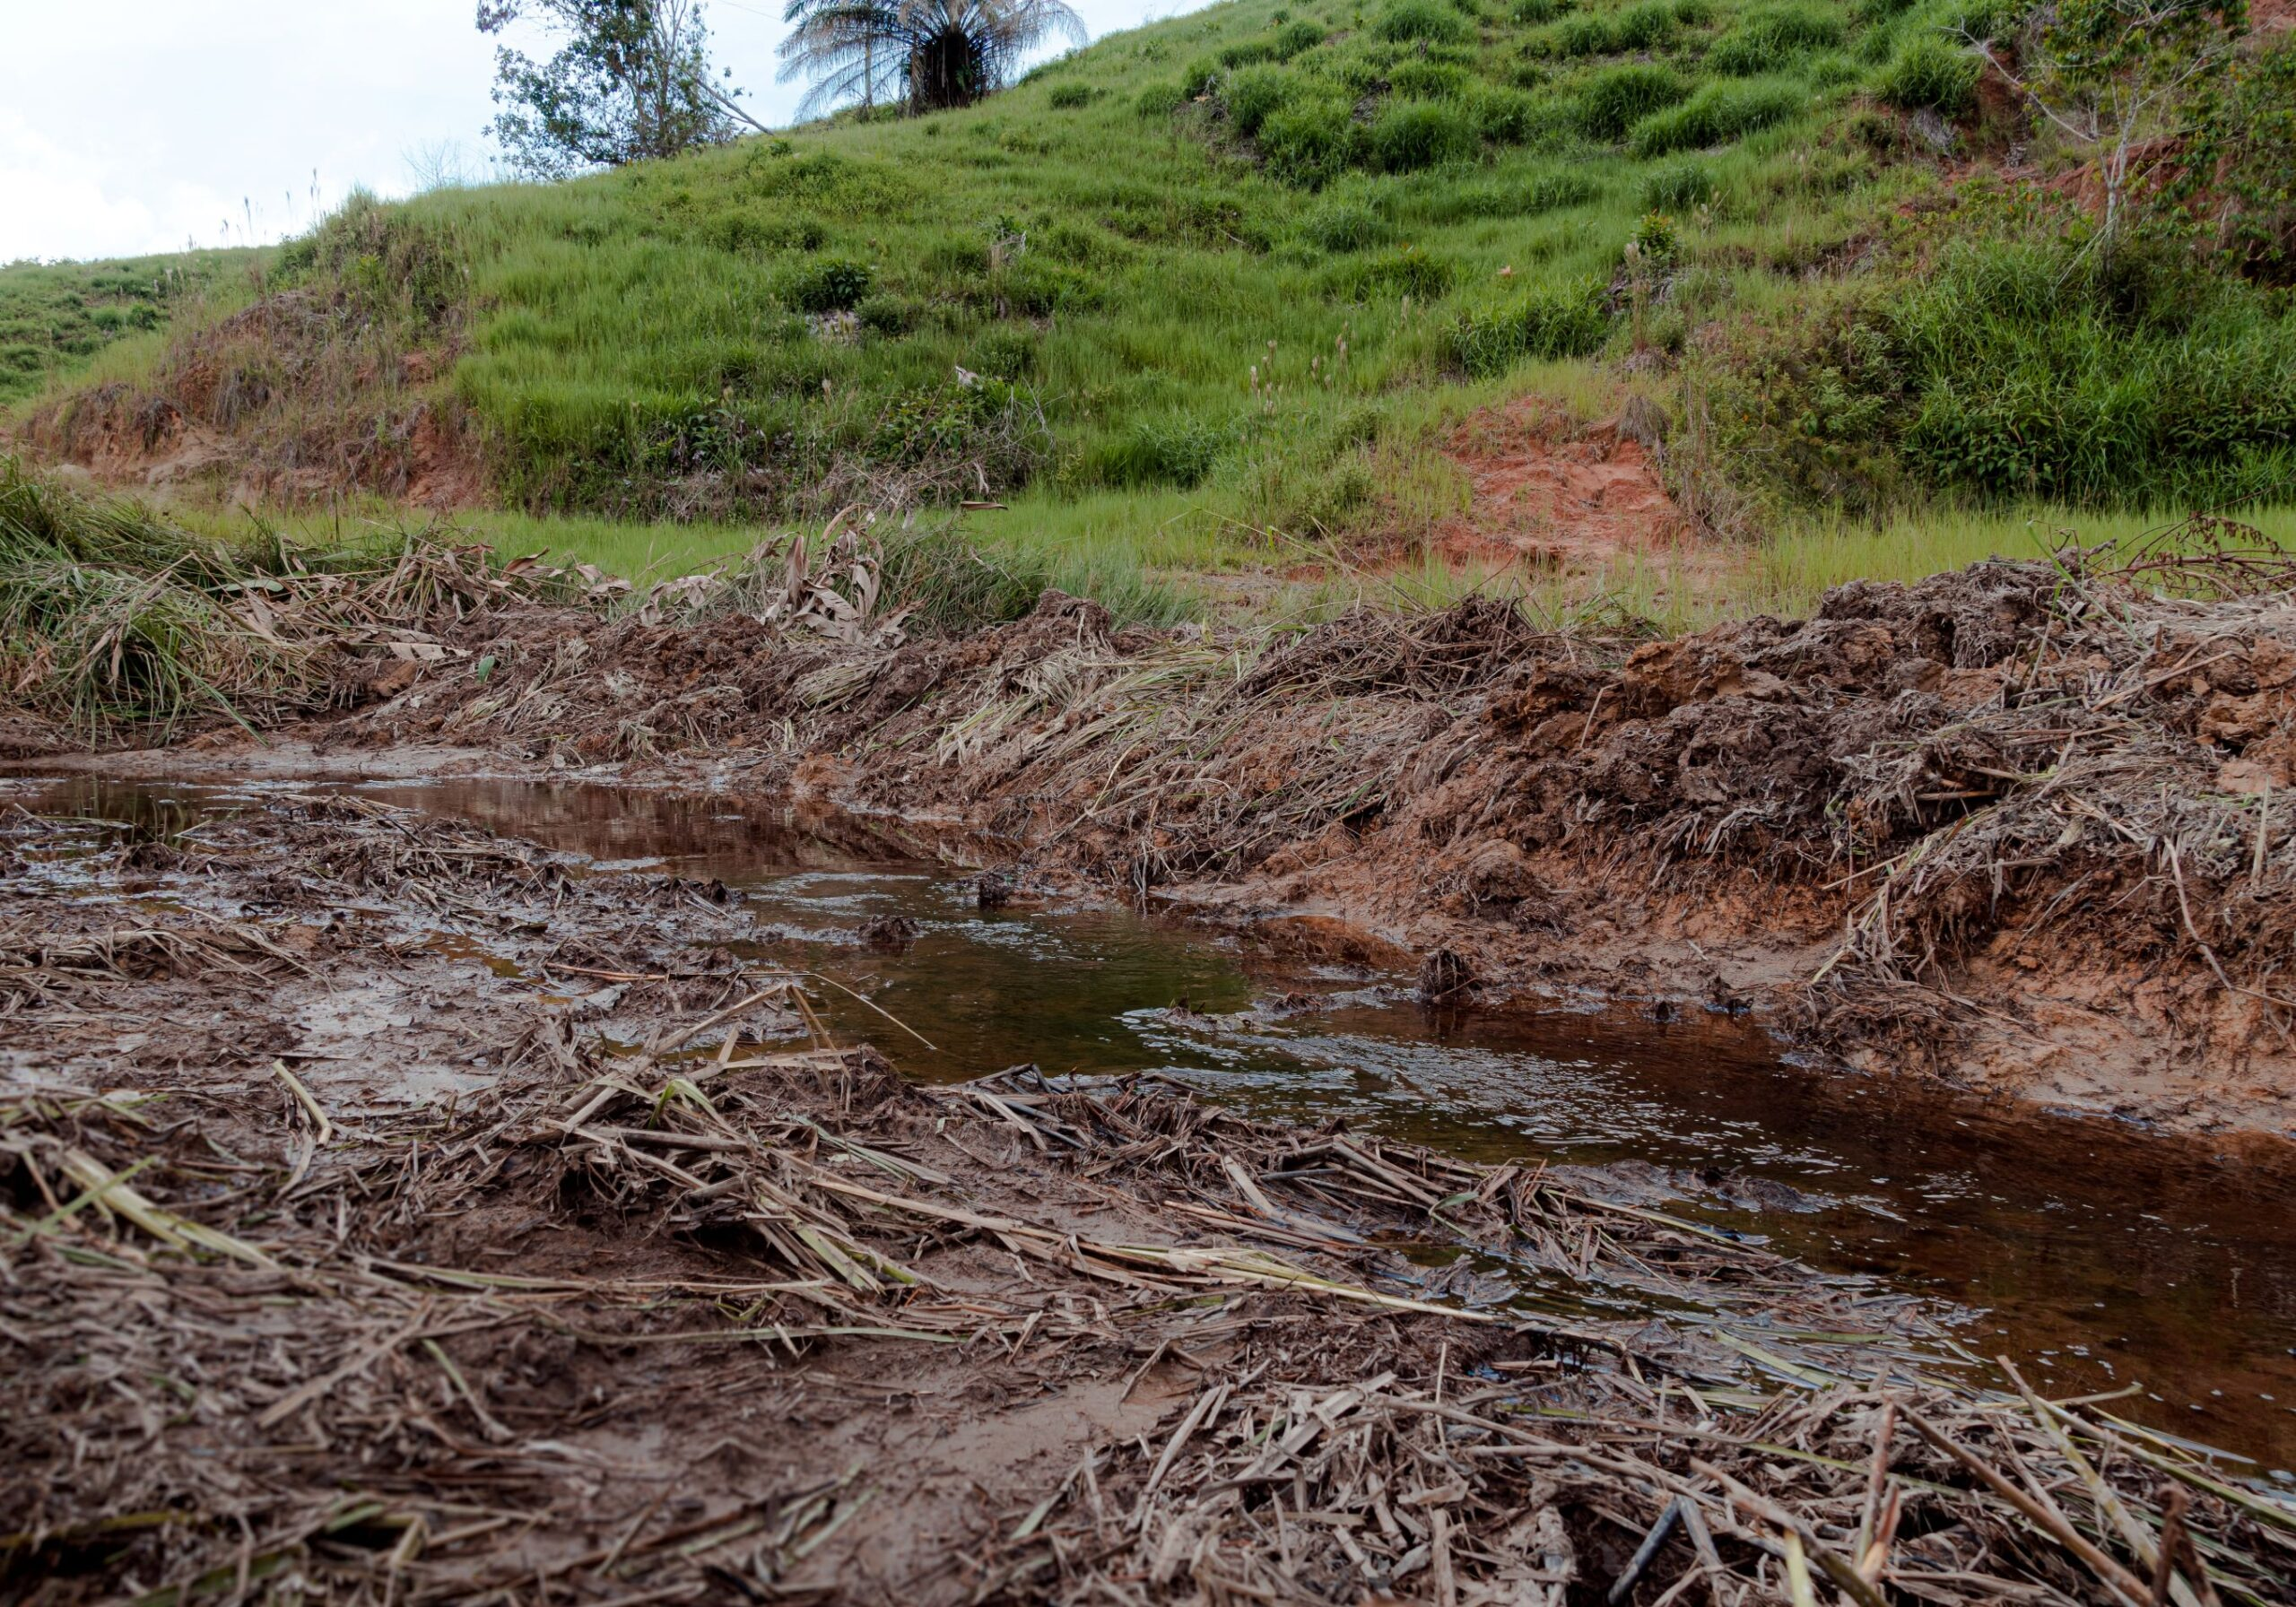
(2102, 1256)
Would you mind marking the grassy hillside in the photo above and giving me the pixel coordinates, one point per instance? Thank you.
(56, 317)
(1200, 294)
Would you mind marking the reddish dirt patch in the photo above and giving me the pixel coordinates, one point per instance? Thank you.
(1554, 495)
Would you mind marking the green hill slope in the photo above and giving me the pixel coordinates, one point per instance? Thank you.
(1206, 287)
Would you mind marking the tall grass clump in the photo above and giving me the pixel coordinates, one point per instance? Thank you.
(2006, 368)
(1617, 98)
(110, 615)
(1760, 40)
(1717, 115)
(1928, 73)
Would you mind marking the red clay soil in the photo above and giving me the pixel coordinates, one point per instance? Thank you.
(1552, 495)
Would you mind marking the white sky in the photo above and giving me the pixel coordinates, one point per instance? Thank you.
(129, 126)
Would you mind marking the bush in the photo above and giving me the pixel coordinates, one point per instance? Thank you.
(1245, 54)
(1160, 100)
(1406, 19)
(1617, 98)
(1412, 134)
(1068, 97)
(1311, 142)
(1716, 115)
(1343, 227)
(1656, 238)
(1202, 77)
(1930, 74)
(1760, 39)
(836, 284)
(1678, 187)
(1254, 94)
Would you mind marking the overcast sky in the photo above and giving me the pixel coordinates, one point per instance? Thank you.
(138, 126)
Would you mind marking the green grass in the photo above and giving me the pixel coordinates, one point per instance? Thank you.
(1193, 303)
(1158, 302)
(55, 317)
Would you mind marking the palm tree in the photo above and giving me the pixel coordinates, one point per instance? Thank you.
(937, 53)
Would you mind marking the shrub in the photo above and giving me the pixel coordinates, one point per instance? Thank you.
(1678, 187)
(1655, 237)
(1068, 97)
(1310, 142)
(888, 315)
(1160, 100)
(1343, 226)
(1293, 37)
(1202, 77)
(832, 285)
(1716, 115)
(1245, 54)
(1928, 73)
(1760, 39)
(1255, 93)
(1406, 19)
(1412, 134)
(1617, 98)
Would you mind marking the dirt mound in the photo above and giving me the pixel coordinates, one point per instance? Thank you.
(302, 396)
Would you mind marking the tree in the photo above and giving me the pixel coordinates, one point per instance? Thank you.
(935, 53)
(631, 80)
(2124, 81)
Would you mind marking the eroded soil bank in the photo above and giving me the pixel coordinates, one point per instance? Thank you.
(393, 1210)
(2022, 828)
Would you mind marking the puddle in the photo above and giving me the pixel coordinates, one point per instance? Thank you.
(2099, 1256)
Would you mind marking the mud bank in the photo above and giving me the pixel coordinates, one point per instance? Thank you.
(2022, 828)
(391, 1210)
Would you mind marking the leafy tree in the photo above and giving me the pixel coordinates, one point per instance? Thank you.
(2126, 83)
(632, 80)
(2238, 179)
(935, 53)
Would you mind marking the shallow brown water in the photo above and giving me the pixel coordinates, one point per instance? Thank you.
(2095, 1254)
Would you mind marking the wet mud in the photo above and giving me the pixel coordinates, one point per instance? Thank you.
(401, 1208)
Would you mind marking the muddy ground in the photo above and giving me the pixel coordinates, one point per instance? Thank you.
(394, 1211)
(2023, 828)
